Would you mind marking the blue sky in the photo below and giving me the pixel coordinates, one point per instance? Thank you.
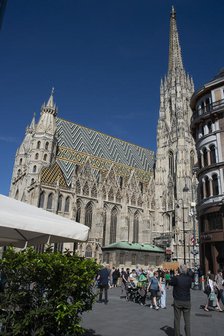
(105, 60)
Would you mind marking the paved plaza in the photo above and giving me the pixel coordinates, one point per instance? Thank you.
(119, 318)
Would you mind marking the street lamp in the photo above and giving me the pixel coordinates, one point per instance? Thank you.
(185, 189)
(195, 252)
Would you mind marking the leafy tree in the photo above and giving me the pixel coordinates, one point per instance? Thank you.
(45, 293)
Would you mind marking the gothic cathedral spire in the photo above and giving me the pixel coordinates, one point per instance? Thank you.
(175, 150)
(175, 58)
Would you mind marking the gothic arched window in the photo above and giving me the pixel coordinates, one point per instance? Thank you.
(215, 185)
(45, 157)
(171, 163)
(46, 145)
(50, 201)
(133, 200)
(89, 214)
(205, 157)
(78, 212)
(88, 253)
(207, 187)
(34, 169)
(111, 195)
(118, 197)
(141, 187)
(86, 189)
(104, 194)
(121, 182)
(78, 187)
(41, 200)
(36, 156)
(212, 154)
(136, 228)
(113, 225)
(140, 202)
(94, 191)
(60, 198)
(20, 161)
(38, 144)
(18, 172)
(104, 224)
(67, 204)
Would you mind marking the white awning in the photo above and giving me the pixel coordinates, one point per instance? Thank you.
(22, 224)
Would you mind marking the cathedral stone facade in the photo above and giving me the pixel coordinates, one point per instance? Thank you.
(120, 190)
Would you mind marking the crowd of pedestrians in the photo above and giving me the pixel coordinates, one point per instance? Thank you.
(139, 285)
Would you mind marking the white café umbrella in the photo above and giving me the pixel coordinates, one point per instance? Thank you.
(23, 224)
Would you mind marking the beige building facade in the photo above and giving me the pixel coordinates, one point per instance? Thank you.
(208, 130)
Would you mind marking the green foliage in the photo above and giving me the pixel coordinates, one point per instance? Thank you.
(45, 293)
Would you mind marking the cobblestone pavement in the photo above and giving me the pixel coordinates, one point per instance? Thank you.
(119, 318)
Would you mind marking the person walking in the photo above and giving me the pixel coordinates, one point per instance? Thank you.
(154, 287)
(212, 291)
(182, 299)
(163, 293)
(220, 286)
(103, 282)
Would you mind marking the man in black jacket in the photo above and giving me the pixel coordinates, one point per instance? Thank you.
(182, 299)
(103, 281)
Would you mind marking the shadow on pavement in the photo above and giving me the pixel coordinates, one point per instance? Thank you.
(168, 330)
(90, 332)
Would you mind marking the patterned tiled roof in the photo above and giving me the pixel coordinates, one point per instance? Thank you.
(76, 143)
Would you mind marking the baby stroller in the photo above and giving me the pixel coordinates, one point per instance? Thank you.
(131, 292)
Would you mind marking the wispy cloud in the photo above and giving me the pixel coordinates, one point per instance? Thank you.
(8, 139)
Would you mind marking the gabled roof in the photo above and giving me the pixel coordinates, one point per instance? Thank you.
(124, 245)
(76, 143)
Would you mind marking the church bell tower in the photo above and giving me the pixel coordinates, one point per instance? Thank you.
(175, 155)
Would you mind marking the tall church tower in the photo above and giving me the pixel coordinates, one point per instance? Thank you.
(175, 156)
(37, 150)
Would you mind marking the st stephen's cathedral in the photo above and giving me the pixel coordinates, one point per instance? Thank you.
(133, 199)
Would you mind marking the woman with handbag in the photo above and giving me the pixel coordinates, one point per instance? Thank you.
(212, 296)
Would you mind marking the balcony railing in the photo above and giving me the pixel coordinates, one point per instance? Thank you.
(208, 109)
